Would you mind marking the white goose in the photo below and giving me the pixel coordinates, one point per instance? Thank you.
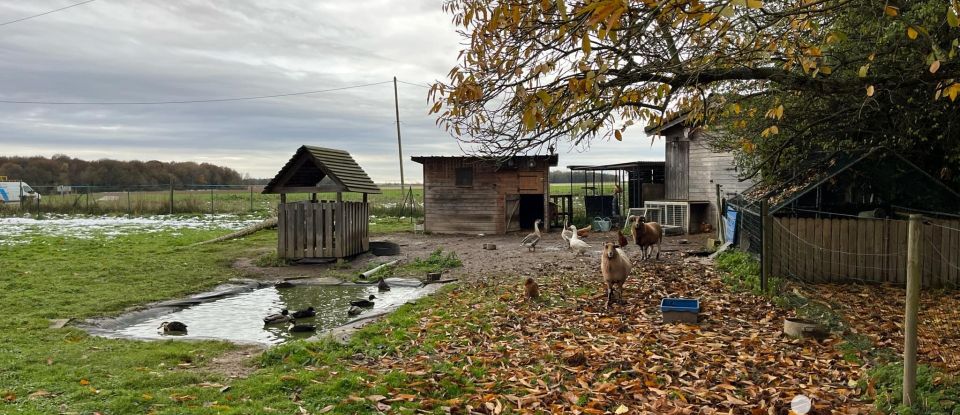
(576, 243)
(530, 241)
(565, 234)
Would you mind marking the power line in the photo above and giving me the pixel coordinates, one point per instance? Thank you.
(191, 101)
(414, 84)
(47, 12)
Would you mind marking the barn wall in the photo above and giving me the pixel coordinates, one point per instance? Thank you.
(694, 170)
(449, 208)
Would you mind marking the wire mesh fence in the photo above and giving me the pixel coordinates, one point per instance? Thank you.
(190, 199)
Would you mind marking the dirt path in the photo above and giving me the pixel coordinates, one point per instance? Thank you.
(508, 259)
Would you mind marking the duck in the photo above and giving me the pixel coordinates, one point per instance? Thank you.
(354, 311)
(282, 317)
(309, 312)
(301, 328)
(173, 327)
(530, 241)
(576, 244)
(382, 285)
(362, 303)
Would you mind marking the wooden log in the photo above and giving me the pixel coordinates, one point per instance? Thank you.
(367, 274)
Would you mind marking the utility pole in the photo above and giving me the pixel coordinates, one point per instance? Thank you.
(910, 316)
(396, 107)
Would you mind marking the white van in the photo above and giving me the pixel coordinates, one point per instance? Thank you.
(11, 191)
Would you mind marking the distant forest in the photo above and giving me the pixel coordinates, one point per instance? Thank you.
(63, 170)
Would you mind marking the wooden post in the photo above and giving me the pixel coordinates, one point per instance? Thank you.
(765, 242)
(914, 251)
(171, 197)
(251, 198)
(129, 205)
(211, 201)
(721, 235)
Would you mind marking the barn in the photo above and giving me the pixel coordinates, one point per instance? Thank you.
(465, 194)
(697, 177)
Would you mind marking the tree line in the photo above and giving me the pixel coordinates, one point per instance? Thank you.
(64, 170)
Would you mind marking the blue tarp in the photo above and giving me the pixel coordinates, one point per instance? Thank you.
(731, 230)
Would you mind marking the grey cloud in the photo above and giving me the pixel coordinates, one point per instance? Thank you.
(131, 51)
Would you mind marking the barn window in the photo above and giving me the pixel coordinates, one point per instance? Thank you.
(465, 176)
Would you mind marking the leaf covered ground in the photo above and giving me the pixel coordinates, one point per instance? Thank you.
(879, 311)
(486, 349)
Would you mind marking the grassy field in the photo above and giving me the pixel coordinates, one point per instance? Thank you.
(45, 371)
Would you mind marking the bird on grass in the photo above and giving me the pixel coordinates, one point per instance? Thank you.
(530, 241)
(282, 317)
(309, 312)
(173, 327)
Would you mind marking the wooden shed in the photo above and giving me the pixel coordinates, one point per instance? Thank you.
(316, 228)
(693, 172)
(463, 194)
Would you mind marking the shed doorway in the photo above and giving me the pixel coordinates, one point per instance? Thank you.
(531, 209)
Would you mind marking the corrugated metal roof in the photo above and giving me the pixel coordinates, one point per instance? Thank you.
(322, 162)
(551, 158)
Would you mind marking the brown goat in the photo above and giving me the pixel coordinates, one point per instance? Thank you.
(645, 235)
(530, 289)
(615, 267)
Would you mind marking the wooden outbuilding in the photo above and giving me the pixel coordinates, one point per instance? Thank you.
(697, 177)
(463, 194)
(315, 228)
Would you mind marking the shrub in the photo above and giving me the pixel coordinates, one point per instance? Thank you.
(741, 272)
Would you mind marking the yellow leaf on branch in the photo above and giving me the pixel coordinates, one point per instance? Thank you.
(935, 66)
(870, 91)
(891, 11)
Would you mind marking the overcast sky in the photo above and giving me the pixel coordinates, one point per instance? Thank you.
(138, 50)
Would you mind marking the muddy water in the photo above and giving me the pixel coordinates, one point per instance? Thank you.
(239, 318)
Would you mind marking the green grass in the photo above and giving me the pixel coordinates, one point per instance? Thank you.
(741, 272)
(936, 393)
(46, 370)
(437, 261)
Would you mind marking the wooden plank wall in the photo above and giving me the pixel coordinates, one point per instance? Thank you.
(479, 208)
(834, 250)
(323, 229)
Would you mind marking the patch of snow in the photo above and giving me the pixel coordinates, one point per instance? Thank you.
(19, 230)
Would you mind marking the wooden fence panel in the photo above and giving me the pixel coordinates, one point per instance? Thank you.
(829, 250)
(322, 229)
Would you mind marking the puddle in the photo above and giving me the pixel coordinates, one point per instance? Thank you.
(239, 317)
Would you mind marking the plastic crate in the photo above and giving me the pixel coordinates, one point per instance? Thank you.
(680, 310)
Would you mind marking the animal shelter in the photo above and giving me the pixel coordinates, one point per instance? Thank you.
(314, 228)
(842, 217)
(634, 183)
(464, 194)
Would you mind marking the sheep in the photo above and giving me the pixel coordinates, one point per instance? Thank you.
(530, 289)
(615, 267)
(646, 234)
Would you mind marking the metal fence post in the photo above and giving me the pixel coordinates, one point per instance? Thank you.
(765, 249)
(910, 316)
(171, 198)
(251, 198)
(129, 206)
(211, 201)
